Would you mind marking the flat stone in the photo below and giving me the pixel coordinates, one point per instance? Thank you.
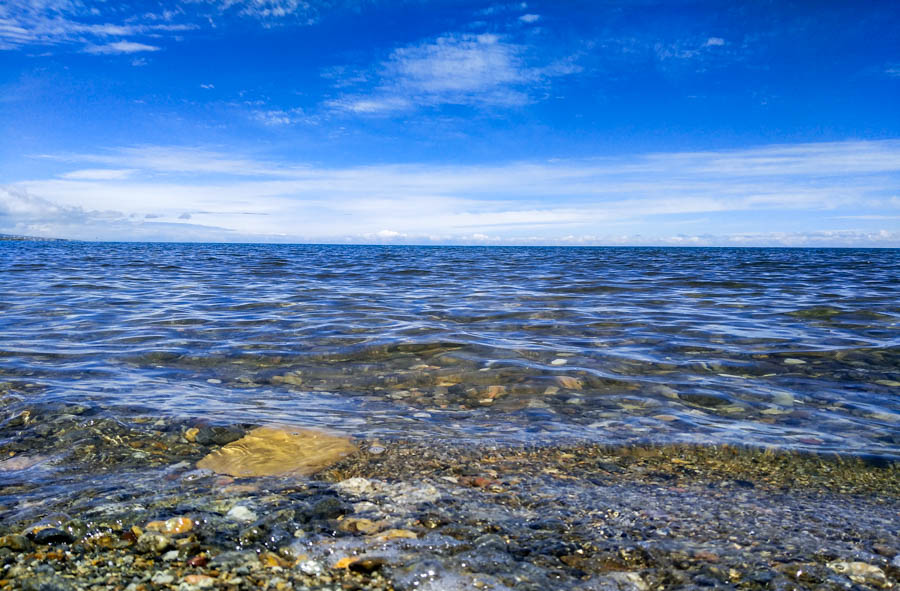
(271, 451)
(860, 572)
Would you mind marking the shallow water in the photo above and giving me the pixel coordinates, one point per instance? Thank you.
(793, 348)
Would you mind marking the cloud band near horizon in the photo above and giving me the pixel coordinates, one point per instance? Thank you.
(828, 194)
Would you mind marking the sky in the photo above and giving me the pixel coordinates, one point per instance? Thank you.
(605, 122)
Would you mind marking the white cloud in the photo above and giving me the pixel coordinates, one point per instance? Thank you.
(207, 86)
(381, 104)
(120, 47)
(172, 159)
(463, 69)
(22, 213)
(277, 117)
(786, 190)
(25, 23)
(56, 22)
(270, 9)
(99, 174)
(456, 63)
(688, 49)
(530, 18)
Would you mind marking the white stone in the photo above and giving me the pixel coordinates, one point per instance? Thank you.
(162, 578)
(241, 513)
(859, 572)
(359, 487)
(311, 568)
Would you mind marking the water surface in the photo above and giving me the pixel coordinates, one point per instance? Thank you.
(792, 348)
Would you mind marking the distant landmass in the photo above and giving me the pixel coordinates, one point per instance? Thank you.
(29, 238)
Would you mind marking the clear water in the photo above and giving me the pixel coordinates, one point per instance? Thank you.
(793, 348)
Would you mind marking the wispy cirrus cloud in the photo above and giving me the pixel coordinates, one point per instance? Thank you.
(92, 25)
(99, 174)
(120, 47)
(753, 192)
(278, 117)
(268, 10)
(458, 69)
(29, 23)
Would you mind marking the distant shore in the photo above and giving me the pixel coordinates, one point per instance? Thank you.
(17, 238)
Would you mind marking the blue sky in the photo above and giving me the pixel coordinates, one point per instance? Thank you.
(576, 122)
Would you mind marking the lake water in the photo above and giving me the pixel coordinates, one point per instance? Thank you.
(792, 348)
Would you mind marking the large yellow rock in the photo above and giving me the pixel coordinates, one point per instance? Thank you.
(278, 451)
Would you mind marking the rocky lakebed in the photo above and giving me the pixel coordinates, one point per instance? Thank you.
(140, 504)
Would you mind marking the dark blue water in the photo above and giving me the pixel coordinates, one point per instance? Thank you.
(794, 348)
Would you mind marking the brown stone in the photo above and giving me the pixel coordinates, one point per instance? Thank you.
(278, 451)
(172, 527)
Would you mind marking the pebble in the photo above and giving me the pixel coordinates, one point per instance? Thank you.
(358, 487)
(783, 398)
(311, 568)
(859, 572)
(241, 514)
(52, 536)
(162, 578)
(558, 362)
(367, 565)
(794, 361)
(153, 542)
(172, 527)
(627, 581)
(393, 534)
(569, 382)
(200, 581)
(358, 525)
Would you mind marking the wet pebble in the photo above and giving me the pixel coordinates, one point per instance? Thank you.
(153, 542)
(52, 536)
(241, 514)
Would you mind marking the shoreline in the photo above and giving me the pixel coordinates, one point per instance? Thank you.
(437, 515)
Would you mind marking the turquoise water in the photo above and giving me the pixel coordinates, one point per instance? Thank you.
(792, 348)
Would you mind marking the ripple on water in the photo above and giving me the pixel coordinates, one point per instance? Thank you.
(792, 348)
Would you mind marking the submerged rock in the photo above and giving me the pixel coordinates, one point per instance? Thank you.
(860, 572)
(240, 513)
(270, 451)
(174, 526)
(16, 543)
